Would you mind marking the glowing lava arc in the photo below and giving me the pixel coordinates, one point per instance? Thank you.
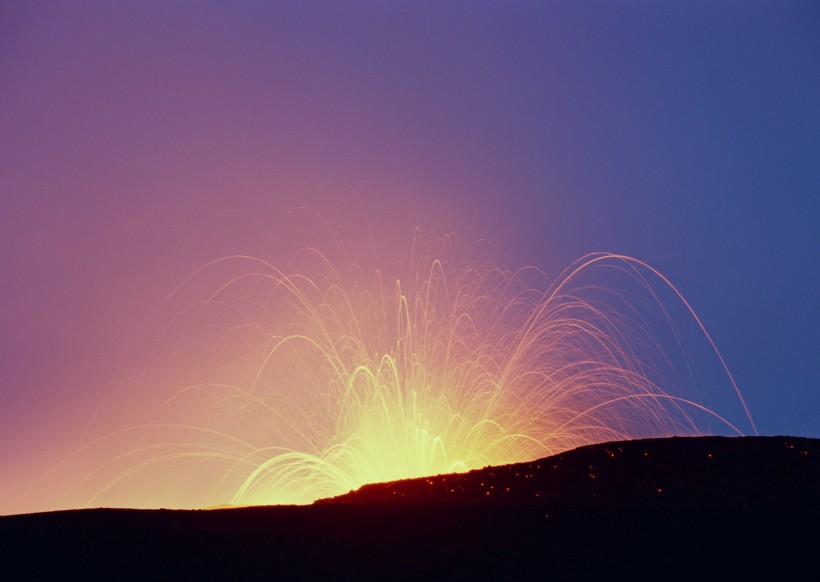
(313, 382)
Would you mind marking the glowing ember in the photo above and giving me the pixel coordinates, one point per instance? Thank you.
(305, 383)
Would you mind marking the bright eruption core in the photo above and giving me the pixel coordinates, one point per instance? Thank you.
(285, 385)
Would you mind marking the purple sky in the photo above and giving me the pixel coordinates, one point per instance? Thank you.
(141, 139)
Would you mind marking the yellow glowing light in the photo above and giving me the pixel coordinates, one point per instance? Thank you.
(310, 382)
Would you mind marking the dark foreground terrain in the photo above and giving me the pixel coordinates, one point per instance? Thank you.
(693, 508)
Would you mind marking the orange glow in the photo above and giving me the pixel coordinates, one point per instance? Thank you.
(284, 385)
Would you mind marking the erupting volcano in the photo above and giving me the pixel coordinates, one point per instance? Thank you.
(289, 384)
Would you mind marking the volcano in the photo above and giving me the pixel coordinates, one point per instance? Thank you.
(676, 508)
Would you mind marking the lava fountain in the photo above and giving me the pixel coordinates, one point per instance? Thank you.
(292, 384)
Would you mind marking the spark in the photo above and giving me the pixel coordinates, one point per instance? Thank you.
(307, 382)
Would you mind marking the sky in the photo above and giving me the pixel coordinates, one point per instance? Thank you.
(141, 140)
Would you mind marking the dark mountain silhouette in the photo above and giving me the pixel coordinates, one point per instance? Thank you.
(679, 508)
(718, 473)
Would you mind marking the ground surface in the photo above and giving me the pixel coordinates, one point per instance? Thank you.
(667, 508)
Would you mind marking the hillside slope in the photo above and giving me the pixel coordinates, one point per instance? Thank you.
(674, 473)
(656, 509)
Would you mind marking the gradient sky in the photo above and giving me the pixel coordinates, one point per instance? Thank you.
(141, 139)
